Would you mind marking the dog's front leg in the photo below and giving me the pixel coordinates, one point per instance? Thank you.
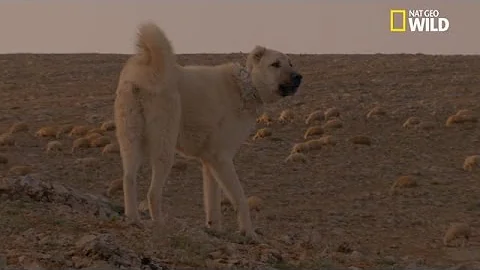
(224, 171)
(211, 199)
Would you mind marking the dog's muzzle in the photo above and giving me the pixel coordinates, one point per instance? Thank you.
(290, 88)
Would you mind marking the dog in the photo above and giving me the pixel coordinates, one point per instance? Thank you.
(204, 112)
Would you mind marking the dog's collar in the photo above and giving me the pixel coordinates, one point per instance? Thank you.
(248, 92)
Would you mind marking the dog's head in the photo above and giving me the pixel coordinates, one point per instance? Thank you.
(272, 73)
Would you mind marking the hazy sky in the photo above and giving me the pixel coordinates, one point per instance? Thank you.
(194, 26)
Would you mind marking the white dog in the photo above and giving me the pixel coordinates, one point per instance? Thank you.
(204, 112)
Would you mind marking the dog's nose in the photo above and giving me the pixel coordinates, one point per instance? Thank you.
(296, 78)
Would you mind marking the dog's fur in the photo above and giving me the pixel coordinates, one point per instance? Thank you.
(204, 112)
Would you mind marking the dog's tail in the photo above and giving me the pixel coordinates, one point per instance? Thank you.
(155, 49)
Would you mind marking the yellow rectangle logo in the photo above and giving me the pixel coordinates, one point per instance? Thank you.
(403, 12)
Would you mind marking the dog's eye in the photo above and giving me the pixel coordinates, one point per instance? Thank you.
(276, 64)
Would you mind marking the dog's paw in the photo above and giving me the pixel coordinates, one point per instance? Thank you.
(133, 222)
(249, 237)
(214, 232)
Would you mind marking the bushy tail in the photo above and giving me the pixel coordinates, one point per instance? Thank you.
(155, 49)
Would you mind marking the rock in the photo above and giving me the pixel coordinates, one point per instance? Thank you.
(143, 207)
(32, 188)
(33, 265)
(270, 256)
(356, 255)
(85, 240)
(101, 265)
(54, 146)
(389, 260)
(79, 262)
(466, 266)
(3, 159)
(104, 247)
(3, 261)
(92, 118)
(215, 254)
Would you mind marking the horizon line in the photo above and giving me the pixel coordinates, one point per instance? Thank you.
(246, 53)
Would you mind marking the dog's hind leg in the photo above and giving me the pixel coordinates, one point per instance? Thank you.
(131, 159)
(161, 137)
(223, 170)
(129, 125)
(211, 199)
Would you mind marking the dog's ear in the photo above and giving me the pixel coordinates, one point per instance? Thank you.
(258, 52)
(255, 56)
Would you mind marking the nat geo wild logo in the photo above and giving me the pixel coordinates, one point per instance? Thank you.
(418, 20)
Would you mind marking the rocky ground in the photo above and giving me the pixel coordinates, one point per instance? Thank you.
(379, 193)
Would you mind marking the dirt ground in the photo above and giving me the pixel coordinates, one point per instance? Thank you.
(335, 211)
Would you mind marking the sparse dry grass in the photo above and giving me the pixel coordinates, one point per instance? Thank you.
(7, 139)
(460, 119)
(255, 203)
(262, 133)
(101, 141)
(411, 122)
(314, 130)
(297, 157)
(314, 144)
(333, 124)
(471, 162)
(18, 127)
(328, 140)
(20, 170)
(360, 139)
(64, 129)
(457, 230)
(315, 116)
(80, 143)
(79, 131)
(300, 148)
(108, 125)
(286, 116)
(405, 181)
(264, 119)
(331, 113)
(376, 111)
(48, 131)
(111, 148)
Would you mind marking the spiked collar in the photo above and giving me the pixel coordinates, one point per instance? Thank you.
(248, 91)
